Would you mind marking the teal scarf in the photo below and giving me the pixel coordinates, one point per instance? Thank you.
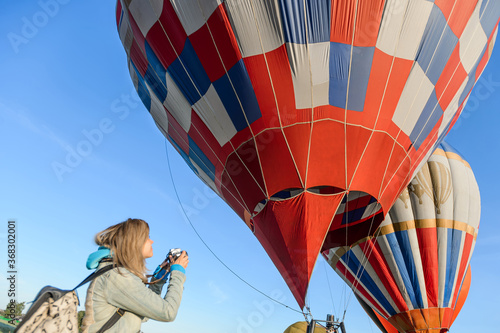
(95, 257)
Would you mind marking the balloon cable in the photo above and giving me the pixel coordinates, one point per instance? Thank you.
(208, 247)
(329, 288)
(360, 271)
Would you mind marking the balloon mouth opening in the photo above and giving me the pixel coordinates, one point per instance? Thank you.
(290, 193)
(358, 217)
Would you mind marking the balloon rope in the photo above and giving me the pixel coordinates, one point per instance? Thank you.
(329, 288)
(360, 271)
(206, 245)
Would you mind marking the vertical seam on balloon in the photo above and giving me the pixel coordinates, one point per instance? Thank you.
(346, 209)
(242, 203)
(435, 252)
(439, 301)
(312, 124)
(274, 95)
(311, 90)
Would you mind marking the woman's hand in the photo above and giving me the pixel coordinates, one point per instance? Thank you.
(183, 260)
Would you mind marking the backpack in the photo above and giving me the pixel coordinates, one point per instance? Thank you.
(55, 310)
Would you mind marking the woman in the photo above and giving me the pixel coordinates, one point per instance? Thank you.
(126, 246)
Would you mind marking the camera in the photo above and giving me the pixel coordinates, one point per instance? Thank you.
(162, 270)
(175, 253)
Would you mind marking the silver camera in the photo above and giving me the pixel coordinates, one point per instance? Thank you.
(175, 253)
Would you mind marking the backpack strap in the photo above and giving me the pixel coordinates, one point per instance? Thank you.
(94, 275)
(119, 312)
(111, 321)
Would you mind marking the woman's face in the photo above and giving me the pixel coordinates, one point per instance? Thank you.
(147, 249)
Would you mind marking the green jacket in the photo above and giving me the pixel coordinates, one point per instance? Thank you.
(119, 288)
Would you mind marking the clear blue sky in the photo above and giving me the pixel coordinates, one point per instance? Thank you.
(67, 78)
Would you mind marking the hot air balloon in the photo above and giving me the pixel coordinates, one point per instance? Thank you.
(301, 327)
(307, 117)
(386, 327)
(412, 270)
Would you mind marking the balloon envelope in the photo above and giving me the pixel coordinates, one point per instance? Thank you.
(301, 327)
(386, 327)
(411, 272)
(383, 325)
(307, 117)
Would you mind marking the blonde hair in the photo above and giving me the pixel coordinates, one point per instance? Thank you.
(126, 241)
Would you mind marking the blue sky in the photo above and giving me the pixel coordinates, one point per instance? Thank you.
(66, 88)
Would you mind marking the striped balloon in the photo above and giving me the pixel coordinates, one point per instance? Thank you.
(386, 327)
(308, 117)
(412, 270)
